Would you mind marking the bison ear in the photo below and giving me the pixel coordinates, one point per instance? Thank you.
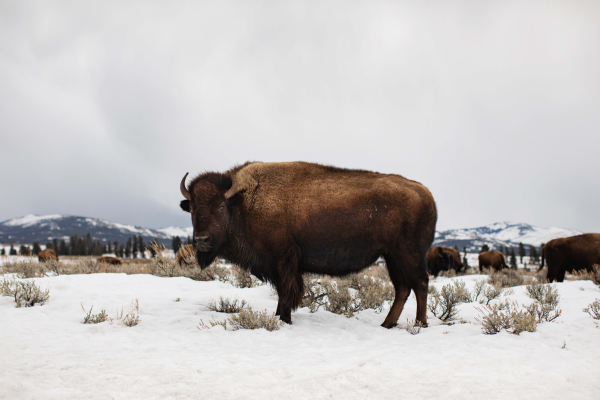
(185, 205)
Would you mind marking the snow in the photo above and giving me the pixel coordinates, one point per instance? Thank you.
(177, 231)
(47, 353)
(31, 219)
(508, 232)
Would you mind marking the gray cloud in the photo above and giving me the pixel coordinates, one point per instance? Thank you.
(492, 105)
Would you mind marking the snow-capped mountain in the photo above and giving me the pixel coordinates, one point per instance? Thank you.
(505, 234)
(42, 228)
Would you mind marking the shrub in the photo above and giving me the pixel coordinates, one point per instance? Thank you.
(242, 278)
(25, 269)
(413, 328)
(250, 319)
(133, 316)
(478, 290)
(227, 306)
(506, 279)
(490, 293)
(546, 297)
(443, 304)
(94, 318)
(593, 309)
(347, 295)
(513, 320)
(584, 275)
(25, 294)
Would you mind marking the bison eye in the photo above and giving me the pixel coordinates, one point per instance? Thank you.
(222, 207)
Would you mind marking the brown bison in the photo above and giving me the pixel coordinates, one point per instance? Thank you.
(570, 254)
(492, 259)
(280, 220)
(443, 259)
(47, 255)
(186, 255)
(109, 260)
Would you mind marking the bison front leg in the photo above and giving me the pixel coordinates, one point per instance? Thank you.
(290, 286)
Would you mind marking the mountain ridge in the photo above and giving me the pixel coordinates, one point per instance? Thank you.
(43, 228)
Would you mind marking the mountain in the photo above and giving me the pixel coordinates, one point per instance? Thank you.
(505, 234)
(42, 228)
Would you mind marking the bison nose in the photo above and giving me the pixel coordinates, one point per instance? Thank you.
(203, 242)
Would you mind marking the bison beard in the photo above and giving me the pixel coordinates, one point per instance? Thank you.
(281, 220)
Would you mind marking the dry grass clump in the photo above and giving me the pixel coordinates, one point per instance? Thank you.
(241, 278)
(347, 295)
(593, 309)
(24, 269)
(227, 306)
(94, 318)
(443, 305)
(584, 275)
(132, 318)
(412, 327)
(25, 294)
(247, 319)
(164, 265)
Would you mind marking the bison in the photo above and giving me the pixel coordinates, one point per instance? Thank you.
(185, 255)
(109, 260)
(492, 259)
(570, 254)
(280, 220)
(47, 255)
(443, 259)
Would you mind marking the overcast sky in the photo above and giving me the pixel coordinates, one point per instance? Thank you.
(493, 105)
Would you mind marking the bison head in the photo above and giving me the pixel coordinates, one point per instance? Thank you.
(209, 200)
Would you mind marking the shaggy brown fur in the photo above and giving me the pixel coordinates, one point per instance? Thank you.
(570, 254)
(184, 253)
(492, 259)
(47, 255)
(286, 219)
(109, 260)
(443, 259)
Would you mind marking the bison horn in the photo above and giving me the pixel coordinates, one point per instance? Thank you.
(184, 190)
(233, 189)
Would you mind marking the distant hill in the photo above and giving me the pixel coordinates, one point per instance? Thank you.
(505, 234)
(42, 228)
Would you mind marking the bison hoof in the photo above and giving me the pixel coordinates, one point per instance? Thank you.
(389, 325)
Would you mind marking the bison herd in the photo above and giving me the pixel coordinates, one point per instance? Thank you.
(281, 220)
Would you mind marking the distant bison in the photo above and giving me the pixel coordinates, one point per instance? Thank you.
(47, 255)
(280, 220)
(443, 259)
(570, 254)
(186, 255)
(109, 260)
(492, 259)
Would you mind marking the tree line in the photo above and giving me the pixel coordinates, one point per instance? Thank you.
(134, 247)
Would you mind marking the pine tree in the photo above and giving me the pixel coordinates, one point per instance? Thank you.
(128, 248)
(3, 251)
(12, 251)
(150, 247)
(24, 250)
(189, 240)
(142, 246)
(62, 248)
(533, 255)
(501, 249)
(49, 246)
(55, 245)
(513, 258)
(521, 251)
(36, 248)
(176, 244)
(484, 248)
(135, 246)
(465, 261)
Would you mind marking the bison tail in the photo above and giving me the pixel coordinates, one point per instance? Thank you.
(542, 264)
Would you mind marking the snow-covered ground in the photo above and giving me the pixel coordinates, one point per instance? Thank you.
(47, 353)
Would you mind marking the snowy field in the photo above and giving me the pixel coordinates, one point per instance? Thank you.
(47, 353)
